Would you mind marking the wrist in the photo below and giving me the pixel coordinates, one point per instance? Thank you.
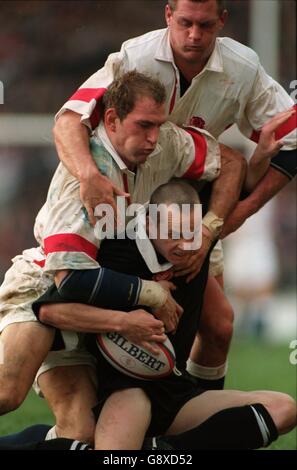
(212, 225)
(122, 323)
(259, 157)
(249, 206)
(206, 235)
(88, 171)
(152, 294)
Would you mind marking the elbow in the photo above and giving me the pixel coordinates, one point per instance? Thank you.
(59, 127)
(57, 131)
(46, 314)
(243, 166)
(233, 160)
(67, 121)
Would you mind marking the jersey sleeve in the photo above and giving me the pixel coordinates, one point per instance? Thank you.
(286, 163)
(197, 154)
(69, 240)
(86, 101)
(267, 98)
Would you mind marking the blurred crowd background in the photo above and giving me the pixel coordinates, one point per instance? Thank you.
(48, 48)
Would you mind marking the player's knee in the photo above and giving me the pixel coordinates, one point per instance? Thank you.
(10, 399)
(283, 410)
(227, 316)
(225, 327)
(219, 328)
(139, 398)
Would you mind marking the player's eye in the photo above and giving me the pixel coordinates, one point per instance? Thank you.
(145, 125)
(208, 25)
(185, 23)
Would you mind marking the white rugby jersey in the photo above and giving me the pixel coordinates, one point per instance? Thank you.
(62, 226)
(232, 88)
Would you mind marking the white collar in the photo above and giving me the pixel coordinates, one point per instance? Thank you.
(102, 134)
(215, 62)
(164, 52)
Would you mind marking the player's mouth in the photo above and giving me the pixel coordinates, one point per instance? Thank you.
(178, 253)
(147, 151)
(193, 48)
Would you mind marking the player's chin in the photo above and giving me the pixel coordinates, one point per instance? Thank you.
(192, 54)
(141, 158)
(176, 260)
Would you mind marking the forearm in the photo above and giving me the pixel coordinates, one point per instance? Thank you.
(272, 182)
(72, 143)
(105, 288)
(81, 318)
(256, 170)
(227, 187)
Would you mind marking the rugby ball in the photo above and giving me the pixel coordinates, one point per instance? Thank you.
(134, 360)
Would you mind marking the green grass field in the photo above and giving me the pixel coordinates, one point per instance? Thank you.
(252, 366)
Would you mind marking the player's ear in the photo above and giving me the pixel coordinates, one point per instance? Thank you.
(223, 18)
(110, 118)
(168, 14)
(152, 226)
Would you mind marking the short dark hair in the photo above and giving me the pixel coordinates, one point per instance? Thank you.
(128, 87)
(176, 191)
(220, 3)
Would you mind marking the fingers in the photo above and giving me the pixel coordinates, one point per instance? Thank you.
(90, 211)
(168, 285)
(158, 325)
(279, 119)
(158, 338)
(179, 310)
(181, 267)
(192, 271)
(109, 201)
(172, 325)
(151, 347)
(183, 272)
(118, 192)
(279, 144)
(191, 277)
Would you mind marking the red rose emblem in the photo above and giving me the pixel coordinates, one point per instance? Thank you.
(197, 121)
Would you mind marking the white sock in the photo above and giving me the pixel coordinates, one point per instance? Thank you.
(207, 373)
(51, 434)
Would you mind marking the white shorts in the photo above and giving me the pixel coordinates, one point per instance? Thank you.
(216, 265)
(78, 356)
(24, 282)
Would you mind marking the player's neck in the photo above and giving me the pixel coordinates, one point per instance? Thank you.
(189, 69)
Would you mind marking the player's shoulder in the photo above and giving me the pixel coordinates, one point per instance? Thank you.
(170, 132)
(173, 140)
(145, 40)
(234, 51)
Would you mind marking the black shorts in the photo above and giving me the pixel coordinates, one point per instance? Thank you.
(167, 395)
